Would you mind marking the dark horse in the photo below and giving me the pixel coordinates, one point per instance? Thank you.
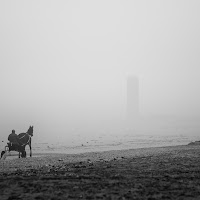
(25, 139)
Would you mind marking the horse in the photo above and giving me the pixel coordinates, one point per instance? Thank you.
(25, 139)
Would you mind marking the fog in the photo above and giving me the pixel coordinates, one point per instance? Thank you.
(64, 64)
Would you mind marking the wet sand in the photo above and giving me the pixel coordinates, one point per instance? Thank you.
(150, 173)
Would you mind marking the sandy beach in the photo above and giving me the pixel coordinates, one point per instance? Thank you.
(148, 173)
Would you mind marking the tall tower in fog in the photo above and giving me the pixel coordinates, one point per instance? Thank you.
(132, 99)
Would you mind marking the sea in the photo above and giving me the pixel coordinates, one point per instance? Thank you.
(75, 142)
(107, 142)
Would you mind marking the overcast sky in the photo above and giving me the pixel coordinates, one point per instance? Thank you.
(63, 61)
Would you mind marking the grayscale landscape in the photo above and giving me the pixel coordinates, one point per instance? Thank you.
(111, 89)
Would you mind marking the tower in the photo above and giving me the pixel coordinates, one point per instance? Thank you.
(132, 99)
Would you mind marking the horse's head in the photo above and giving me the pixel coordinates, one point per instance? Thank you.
(30, 131)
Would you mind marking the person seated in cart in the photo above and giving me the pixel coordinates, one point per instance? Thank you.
(14, 139)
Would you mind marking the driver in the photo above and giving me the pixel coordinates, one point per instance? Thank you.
(13, 138)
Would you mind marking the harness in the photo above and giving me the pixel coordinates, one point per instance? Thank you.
(28, 139)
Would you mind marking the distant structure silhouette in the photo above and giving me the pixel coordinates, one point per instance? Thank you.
(132, 99)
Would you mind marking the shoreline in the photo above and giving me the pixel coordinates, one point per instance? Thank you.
(46, 158)
(66, 152)
(171, 172)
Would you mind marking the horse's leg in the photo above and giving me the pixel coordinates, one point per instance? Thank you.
(19, 154)
(30, 148)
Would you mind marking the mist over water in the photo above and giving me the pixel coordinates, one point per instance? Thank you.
(64, 68)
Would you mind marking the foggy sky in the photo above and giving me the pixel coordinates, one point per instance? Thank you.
(68, 61)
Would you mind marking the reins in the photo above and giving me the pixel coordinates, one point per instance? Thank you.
(28, 138)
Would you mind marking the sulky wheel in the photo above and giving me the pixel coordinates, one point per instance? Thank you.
(2, 153)
(24, 154)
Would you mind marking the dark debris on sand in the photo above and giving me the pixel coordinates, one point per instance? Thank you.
(163, 176)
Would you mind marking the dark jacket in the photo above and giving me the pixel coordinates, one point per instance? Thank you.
(13, 138)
